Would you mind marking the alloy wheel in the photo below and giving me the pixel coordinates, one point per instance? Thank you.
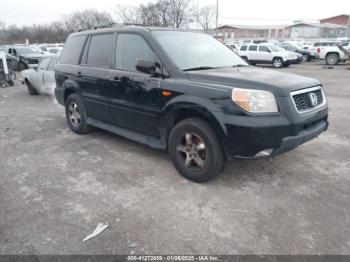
(193, 150)
(74, 114)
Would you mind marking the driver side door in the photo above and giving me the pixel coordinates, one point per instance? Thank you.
(135, 101)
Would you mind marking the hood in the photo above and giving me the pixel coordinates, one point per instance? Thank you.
(255, 78)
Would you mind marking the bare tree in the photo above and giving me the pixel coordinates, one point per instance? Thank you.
(179, 12)
(205, 17)
(88, 18)
(128, 14)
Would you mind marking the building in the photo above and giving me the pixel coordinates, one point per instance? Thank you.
(317, 30)
(338, 20)
(251, 32)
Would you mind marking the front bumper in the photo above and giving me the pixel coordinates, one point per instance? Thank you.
(247, 136)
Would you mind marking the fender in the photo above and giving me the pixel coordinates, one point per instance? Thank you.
(199, 104)
(70, 85)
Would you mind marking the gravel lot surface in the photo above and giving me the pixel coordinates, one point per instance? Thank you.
(55, 186)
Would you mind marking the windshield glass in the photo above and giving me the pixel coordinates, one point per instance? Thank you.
(26, 50)
(196, 50)
(275, 48)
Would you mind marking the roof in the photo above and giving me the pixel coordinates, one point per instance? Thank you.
(348, 15)
(252, 27)
(318, 25)
(132, 28)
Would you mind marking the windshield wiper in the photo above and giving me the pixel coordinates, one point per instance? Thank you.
(199, 68)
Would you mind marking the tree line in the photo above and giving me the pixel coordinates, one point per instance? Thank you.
(166, 13)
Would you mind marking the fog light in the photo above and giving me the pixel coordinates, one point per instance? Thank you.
(264, 153)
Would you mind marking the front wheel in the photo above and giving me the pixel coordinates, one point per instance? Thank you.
(195, 150)
(277, 62)
(76, 114)
(31, 90)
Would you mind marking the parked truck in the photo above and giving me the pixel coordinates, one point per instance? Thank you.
(331, 54)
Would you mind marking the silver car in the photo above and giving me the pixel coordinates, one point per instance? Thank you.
(41, 79)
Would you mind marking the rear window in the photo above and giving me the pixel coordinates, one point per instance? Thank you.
(99, 50)
(72, 50)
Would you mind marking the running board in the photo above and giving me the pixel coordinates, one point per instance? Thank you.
(127, 133)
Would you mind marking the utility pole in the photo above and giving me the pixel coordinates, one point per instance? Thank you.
(217, 16)
(197, 26)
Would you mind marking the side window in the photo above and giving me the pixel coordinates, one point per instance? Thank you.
(244, 48)
(72, 50)
(253, 48)
(100, 49)
(130, 47)
(52, 64)
(43, 64)
(263, 48)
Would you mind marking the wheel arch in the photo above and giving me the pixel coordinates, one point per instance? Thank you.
(180, 110)
(69, 87)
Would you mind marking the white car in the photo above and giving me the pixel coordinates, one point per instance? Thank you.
(332, 54)
(265, 53)
(41, 79)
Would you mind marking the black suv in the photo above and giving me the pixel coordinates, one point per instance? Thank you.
(187, 93)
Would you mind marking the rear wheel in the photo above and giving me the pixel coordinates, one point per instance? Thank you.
(195, 150)
(76, 114)
(332, 59)
(31, 90)
(277, 62)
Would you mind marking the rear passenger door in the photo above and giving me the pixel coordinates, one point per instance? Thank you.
(94, 72)
(135, 101)
(252, 52)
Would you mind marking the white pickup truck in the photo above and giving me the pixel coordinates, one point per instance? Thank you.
(332, 54)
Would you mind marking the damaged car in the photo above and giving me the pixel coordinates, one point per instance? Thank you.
(29, 57)
(41, 78)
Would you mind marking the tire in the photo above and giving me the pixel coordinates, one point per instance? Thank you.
(203, 158)
(245, 59)
(31, 90)
(277, 62)
(76, 115)
(22, 67)
(332, 59)
(306, 58)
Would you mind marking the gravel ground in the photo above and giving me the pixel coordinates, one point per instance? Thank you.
(56, 186)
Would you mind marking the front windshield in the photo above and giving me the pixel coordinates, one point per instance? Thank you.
(275, 48)
(26, 50)
(196, 50)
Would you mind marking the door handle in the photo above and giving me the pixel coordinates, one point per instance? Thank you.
(116, 79)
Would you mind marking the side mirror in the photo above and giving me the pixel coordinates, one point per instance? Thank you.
(147, 66)
(35, 68)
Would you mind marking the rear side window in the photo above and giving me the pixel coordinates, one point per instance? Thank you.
(100, 49)
(253, 48)
(244, 48)
(72, 50)
(130, 47)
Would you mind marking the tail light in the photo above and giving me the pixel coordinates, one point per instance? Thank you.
(318, 50)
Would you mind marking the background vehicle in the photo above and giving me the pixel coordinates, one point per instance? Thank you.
(266, 54)
(186, 93)
(28, 56)
(41, 79)
(331, 54)
(7, 63)
(306, 54)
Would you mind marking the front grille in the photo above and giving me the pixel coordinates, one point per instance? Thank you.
(303, 100)
(33, 61)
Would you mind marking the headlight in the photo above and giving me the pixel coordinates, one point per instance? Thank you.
(255, 101)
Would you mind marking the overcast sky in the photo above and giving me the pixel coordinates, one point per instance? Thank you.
(23, 12)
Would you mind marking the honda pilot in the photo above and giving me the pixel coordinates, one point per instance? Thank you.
(187, 93)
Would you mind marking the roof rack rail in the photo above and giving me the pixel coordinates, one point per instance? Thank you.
(112, 25)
